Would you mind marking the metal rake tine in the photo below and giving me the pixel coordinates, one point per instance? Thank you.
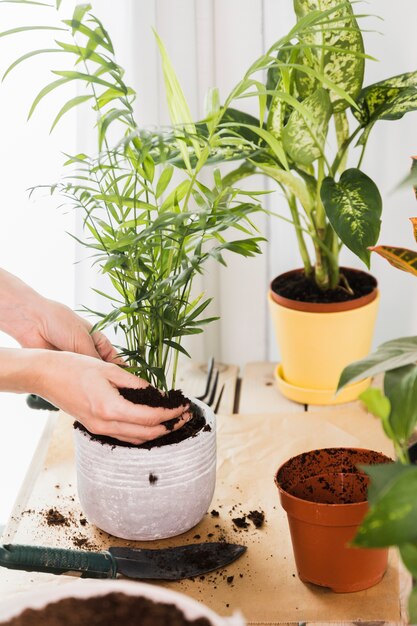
(213, 389)
(219, 399)
(209, 377)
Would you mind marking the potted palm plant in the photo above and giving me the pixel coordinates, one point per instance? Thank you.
(150, 236)
(323, 313)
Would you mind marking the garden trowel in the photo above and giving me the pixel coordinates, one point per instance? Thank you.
(163, 564)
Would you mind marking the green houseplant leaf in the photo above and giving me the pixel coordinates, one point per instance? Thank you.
(304, 139)
(392, 518)
(353, 206)
(379, 101)
(400, 385)
(388, 356)
(346, 70)
(389, 99)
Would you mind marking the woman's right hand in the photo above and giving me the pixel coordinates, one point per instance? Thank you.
(87, 389)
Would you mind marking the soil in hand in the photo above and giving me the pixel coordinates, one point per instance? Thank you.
(114, 608)
(297, 286)
(152, 397)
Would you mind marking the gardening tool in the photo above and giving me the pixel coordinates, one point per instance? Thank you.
(163, 564)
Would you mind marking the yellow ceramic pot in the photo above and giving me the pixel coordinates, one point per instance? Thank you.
(317, 341)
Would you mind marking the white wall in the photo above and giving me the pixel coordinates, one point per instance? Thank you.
(33, 241)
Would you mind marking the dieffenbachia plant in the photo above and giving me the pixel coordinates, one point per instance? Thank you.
(393, 488)
(150, 235)
(314, 75)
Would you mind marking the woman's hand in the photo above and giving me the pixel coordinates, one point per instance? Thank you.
(37, 322)
(87, 389)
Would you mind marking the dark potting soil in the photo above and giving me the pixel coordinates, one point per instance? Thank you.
(297, 287)
(154, 398)
(240, 522)
(114, 608)
(55, 518)
(257, 518)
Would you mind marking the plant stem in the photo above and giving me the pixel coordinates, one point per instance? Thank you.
(342, 151)
(321, 275)
(292, 203)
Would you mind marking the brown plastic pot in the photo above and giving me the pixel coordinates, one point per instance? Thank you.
(324, 494)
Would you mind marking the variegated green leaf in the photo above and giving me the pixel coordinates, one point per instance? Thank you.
(344, 63)
(278, 109)
(353, 206)
(389, 99)
(275, 122)
(401, 258)
(304, 139)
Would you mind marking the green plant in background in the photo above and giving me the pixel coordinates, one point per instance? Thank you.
(393, 488)
(150, 236)
(313, 76)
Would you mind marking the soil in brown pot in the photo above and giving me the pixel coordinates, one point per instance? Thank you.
(296, 286)
(114, 608)
(152, 397)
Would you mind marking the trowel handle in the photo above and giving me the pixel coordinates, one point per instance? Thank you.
(58, 560)
(36, 402)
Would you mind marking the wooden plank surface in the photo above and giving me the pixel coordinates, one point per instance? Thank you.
(259, 393)
(192, 380)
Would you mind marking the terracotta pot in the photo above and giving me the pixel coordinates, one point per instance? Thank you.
(46, 594)
(142, 494)
(317, 341)
(325, 497)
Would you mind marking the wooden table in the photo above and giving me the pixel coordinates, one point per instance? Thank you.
(50, 479)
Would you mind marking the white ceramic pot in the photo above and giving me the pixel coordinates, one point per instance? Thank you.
(39, 598)
(141, 494)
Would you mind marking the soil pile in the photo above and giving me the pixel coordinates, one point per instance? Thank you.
(114, 608)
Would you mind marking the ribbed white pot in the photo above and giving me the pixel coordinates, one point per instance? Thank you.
(119, 494)
(40, 597)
